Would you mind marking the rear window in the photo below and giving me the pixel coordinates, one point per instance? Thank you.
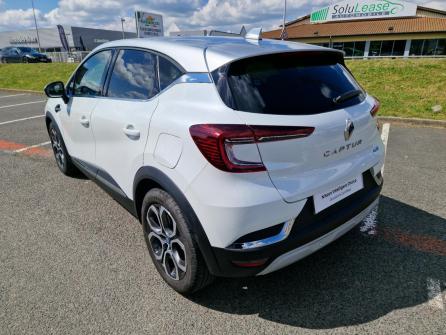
(286, 84)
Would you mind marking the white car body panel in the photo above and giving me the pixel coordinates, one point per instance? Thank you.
(78, 135)
(118, 153)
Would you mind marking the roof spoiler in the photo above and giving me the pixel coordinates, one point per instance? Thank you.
(254, 34)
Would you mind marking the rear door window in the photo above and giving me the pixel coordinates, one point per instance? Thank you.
(286, 84)
(134, 75)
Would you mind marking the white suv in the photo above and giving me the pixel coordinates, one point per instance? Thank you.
(239, 156)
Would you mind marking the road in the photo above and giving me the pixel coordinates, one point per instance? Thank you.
(73, 261)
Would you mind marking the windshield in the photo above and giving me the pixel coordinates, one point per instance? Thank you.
(286, 84)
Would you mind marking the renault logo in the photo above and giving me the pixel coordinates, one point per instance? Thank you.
(349, 128)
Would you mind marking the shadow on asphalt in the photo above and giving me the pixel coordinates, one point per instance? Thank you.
(357, 279)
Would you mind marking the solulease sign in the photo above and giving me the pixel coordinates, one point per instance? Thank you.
(363, 9)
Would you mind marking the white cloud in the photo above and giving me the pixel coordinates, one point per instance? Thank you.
(178, 14)
(17, 18)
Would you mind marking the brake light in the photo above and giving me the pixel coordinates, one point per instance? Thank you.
(233, 147)
(375, 108)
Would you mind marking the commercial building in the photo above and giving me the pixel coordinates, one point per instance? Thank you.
(372, 28)
(51, 40)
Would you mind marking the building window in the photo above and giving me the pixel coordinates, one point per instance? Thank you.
(375, 48)
(416, 48)
(359, 49)
(428, 48)
(387, 48)
(398, 48)
(441, 48)
(351, 49)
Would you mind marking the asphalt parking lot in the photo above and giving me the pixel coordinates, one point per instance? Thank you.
(73, 261)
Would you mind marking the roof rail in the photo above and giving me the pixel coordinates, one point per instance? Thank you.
(254, 34)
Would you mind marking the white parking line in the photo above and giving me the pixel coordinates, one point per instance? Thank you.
(23, 119)
(22, 104)
(13, 95)
(385, 139)
(434, 293)
(32, 146)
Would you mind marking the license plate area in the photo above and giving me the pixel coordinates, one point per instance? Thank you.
(331, 196)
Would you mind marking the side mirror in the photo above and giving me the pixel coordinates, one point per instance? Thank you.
(56, 90)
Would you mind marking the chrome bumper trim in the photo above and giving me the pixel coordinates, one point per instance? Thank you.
(283, 234)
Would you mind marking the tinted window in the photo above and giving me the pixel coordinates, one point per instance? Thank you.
(441, 47)
(398, 48)
(386, 48)
(168, 72)
(90, 76)
(134, 76)
(359, 49)
(349, 48)
(285, 84)
(375, 48)
(429, 47)
(416, 47)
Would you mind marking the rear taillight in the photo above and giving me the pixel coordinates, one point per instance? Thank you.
(233, 147)
(375, 108)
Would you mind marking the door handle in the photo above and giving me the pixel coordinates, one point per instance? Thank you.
(131, 132)
(84, 121)
(57, 108)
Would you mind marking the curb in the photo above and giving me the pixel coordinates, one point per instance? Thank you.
(413, 121)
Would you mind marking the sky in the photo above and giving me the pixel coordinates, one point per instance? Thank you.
(226, 15)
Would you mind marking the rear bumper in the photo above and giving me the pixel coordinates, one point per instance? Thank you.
(313, 246)
(310, 232)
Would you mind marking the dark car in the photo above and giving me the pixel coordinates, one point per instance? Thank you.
(22, 55)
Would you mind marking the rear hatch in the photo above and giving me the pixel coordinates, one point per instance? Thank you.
(306, 89)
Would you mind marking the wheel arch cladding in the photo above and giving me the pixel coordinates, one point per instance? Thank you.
(149, 177)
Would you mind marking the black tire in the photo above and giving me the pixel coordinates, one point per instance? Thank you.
(196, 274)
(63, 159)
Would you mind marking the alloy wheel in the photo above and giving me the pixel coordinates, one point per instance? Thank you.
(57, 148)
(164, 240)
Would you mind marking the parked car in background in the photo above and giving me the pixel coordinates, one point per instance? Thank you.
(22, 55)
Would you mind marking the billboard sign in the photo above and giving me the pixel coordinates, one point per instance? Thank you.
(149, 24)
(363, 9)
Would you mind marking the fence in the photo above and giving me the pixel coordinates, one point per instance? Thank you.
(67, 57)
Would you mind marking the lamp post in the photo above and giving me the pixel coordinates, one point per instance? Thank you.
(122, 25)
(35, 23)
(284, 34)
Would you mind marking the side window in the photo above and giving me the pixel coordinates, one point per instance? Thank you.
(168, 72)
(134, 75)
(90, 76)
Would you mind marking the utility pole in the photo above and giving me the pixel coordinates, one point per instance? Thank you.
(284, 34)
(122, 25)
(35, 23)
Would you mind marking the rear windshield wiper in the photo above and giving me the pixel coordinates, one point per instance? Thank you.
(347, 96)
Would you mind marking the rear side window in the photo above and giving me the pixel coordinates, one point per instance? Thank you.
(286, 84)
(169, 72)
(134, 75)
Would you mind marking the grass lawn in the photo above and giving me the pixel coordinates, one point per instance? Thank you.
(406, 88)
(33, 77)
